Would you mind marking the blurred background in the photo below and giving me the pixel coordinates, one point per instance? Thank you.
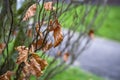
(100, 61)
(103, 57)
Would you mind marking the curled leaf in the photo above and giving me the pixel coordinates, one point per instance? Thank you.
(23, 54)
(32, 67)
(53, 25)
(65, 57)
(91, 34)
(26, 71)
(47, 46)
(32, 49)
(43, 63)
(37, 27)
(38, 43)
(49, 6)
(6, 76)
(57, 32)
(38, 31)
(35, 67)
(30, 12)
(58, 36)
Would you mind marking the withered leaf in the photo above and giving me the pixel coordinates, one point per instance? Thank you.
(36, 57)
(91, 34)
(26, 70)
(37, 28)
(53, 25)
(50, 27)
(57, 32)
(35, 67)
(32, 49)
(38, 43)
(65, 57)
(6, 76)
(58, 36)
(43, 63)
(30, 12)
(29, 32)
(39, 32)
(32, 67)
(23, 54)
(49, 6)
(47, 46)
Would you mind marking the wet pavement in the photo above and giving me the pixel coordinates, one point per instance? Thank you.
(102, 59)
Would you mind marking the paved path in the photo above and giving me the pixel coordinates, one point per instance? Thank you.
(102, 58)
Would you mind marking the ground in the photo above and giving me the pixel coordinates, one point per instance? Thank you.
(76, 74)
(102, 58)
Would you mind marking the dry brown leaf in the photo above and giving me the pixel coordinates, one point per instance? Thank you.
(35, 67)
(91, 34)
(53, 25)
(32, 67)
(58, 36)
(47, 46)
(49, 6)
(37, 30)
(6, 76)
(38, 43)
(26, 70)
(23, 54)
(30, 12)
(36, 57)
(37, 27)
(32, 49)
(41, 35)
(50, 27)
(29, 32)
(57, 32)
(43, 63)
(65, 57)
(2, 46)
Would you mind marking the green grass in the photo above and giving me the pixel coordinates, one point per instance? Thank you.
(111, 26)
(73, 73)
(76, 74)
(110, 29)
